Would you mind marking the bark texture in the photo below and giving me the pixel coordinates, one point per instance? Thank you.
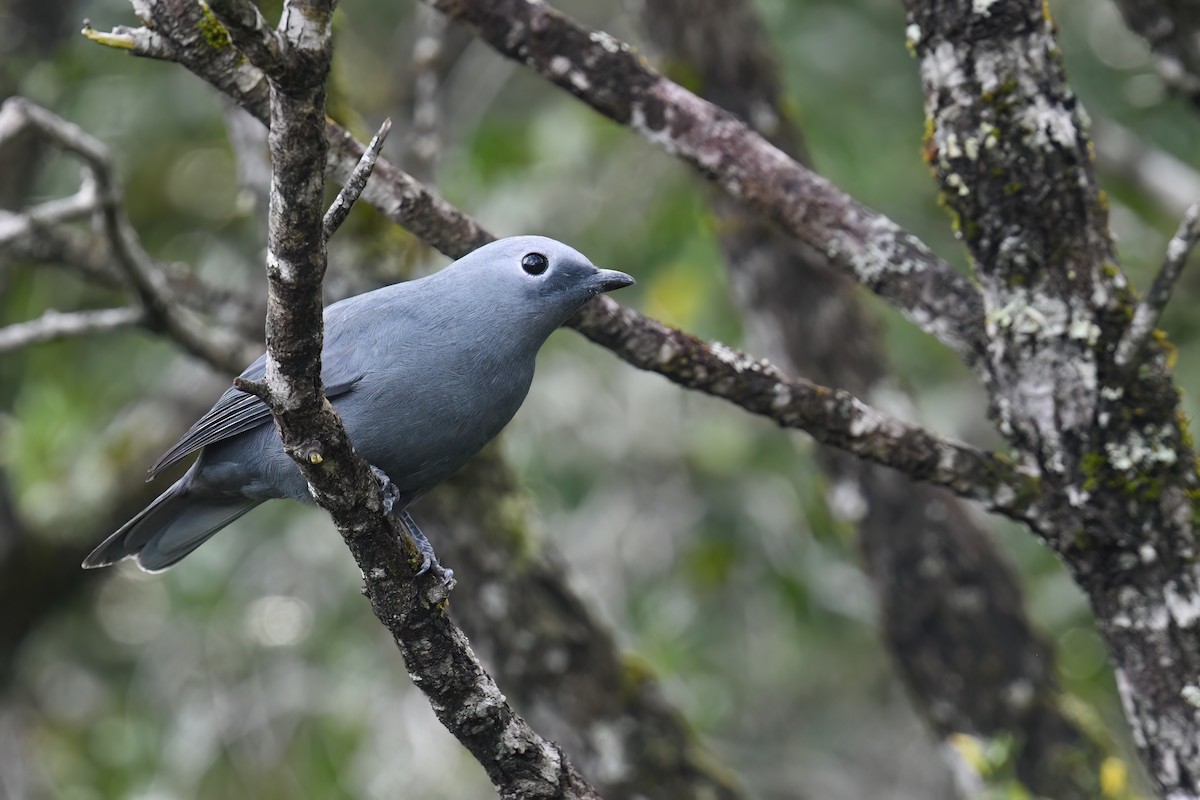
(950, 606)
(519, 762)
(1008, 143)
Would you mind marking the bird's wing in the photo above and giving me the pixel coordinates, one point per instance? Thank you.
(237, 412)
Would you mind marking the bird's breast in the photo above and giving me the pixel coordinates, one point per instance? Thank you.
(422, 426)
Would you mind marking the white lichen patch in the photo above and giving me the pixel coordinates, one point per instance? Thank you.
(990, 134)
(983, 7)
(989, 70)
(949, 146)
(864, 424)
(941, 68)
(734, 358)
(1077, 497)
(1142, 451)
(579, 81)
(608, 43)
(1191, 695)
(1026, 315)
(1140, 613)
(1177, 249)
(889, 251)
(562, 67)
(1047, 125)
(912, 34)
(1084, 330)
(1147, 553)
(659, 136)
(1184, 606)
(955, 182)
(782, 397)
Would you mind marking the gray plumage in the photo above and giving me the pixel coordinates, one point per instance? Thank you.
(423, 374)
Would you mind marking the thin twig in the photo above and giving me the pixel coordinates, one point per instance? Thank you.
(63, 209)
(1150, 309)
(355, 184)
(831, 416)
(209, 343)
(139, 41)
(54, 325)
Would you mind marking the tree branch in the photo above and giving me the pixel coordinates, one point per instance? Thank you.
(862, 243)
(1009, 145)
(53, 325)
(872, 249)
(251, 34)
(162, 309)
(437, 654)
(831, 416)
(921, 548)
(355, 184)
(1150, 309)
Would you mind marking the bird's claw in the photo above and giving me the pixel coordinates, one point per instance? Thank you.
(429, 561)
(430, 564)
(391, 494)
(392, 506)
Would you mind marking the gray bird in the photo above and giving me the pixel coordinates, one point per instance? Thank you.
(423, 374)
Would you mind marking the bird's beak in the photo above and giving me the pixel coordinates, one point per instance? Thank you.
(606, 280)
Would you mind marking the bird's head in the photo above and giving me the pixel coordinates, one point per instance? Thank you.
(538, 278)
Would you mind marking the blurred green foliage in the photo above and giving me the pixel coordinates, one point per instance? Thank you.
(256, 669)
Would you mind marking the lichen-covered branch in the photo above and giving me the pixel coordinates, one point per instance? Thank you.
(1146, 315)
(606, 74)
(53, 325)
(1008, 142)
(437, 654)
(354, 185)
(254, 37)
(950, 605)
(831, 416)
(101, 195)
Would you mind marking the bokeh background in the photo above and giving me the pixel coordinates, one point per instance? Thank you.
(700, 533)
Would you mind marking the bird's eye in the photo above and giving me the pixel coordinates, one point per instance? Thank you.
(535, 263)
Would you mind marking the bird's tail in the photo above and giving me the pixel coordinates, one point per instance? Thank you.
(165, 531)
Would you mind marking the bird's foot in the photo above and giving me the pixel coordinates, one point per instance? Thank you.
(393, 506)
(391, 495)
(429, 561)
